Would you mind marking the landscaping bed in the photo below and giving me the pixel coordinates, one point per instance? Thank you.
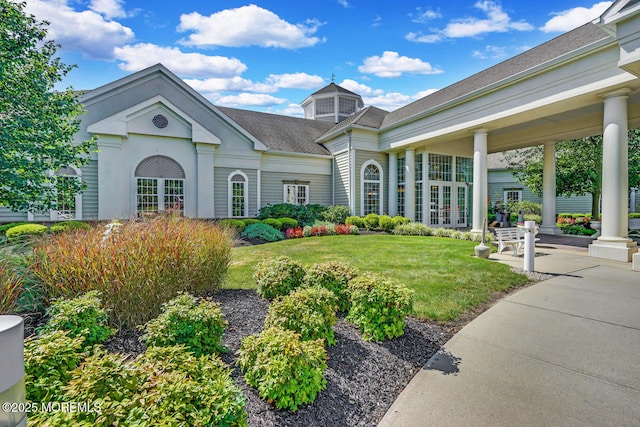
(363, 378)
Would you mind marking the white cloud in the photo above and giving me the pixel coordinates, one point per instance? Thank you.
(343, 3)
(496, 21)
(142, 55)
(295, 81)
(389, 101)
(569, 19)
(293, 110)
(424, 93)
(84, 31)
(360, 89)
(248, 99)
(493, 52)
(391, 64)
(247, 26)
(108, 8)
(424, 15)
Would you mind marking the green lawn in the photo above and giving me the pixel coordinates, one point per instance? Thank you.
(447, 278)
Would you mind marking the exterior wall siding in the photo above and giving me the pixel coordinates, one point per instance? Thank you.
(273, 188)
(341, 183)
(90, 194)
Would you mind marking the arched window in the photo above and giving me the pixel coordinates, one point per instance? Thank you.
(238, 191)
(371, 188)
(69, 203)
(160, 186)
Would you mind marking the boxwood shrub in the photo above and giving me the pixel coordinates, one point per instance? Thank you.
(378, 306)
(371, 221)
(273, 222)
(5, 227)
(283, 368)
(199, 325)
(334, 276)
(236, 224)
(311, 312)
(278, 276)
(250, 221)
(287, 223)
(386, 223)
(358, 221)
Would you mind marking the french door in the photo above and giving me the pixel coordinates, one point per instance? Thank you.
(440, 214)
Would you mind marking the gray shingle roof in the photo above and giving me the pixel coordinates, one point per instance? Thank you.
(368, 117)
(561, 45)
(282, 133)
(333, 88)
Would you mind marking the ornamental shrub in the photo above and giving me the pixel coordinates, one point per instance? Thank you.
(199, 325)
(358, 221)
(80, 316)
(48, 362)
(311, 312)
(413, 229)
(342, 229)
(283, 368)
(336, 214)
(237, 225)
(371, 221)
(278, 276)
(182, 386)
(294, 233)
(273, 222)
(378, 306)
(137, 266)
(304, 214)
(400, 220)
(262, 231)
(288, 223)
(320, 230)
(354, 229)
(334, 276)
(306, 231)
(538, 218)
(21, 231)
(386, 223)
(68, 226)
(250, 221)
(5, 227)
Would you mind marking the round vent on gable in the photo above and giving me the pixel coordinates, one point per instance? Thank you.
(160, 121)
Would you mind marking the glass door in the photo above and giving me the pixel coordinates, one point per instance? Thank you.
(440, 201)
(462, 210)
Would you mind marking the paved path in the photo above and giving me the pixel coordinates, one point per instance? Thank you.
(564, 352)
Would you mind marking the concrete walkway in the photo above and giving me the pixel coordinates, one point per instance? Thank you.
(564, 352)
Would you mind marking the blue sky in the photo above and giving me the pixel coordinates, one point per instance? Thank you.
(270, 55)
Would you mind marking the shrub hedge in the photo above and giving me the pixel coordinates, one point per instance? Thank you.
(20, 231)
(278, 276)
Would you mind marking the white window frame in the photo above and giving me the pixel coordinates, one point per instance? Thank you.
(505, 199)
(54, 214)
(296, 188)
(230, 194)
(380, 183)
(160, 184)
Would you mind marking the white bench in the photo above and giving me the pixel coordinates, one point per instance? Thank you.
(512, 237)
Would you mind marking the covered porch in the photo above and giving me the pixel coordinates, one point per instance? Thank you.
(580, 84)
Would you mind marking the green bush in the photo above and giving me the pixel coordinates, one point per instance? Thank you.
(576, 230)
(533, 217)
(304, 214)
(278, 276)
(20, 231)
(184, 320)
(269, 359)
(371, 221)
(182, 387)
(334, 276)
(262, 231)
(413, 229)
(336, 214)
(527, 208)
(236, 224)
(48, 362)
(288, 223)
(250, 221)
(400, 220)
(273, 222)
(378, 306)
(386, 223)
(80, 316)
(311, 312)
(634, 215)
(358, 221)
(5, 227)
(137, 266)
(68, 226)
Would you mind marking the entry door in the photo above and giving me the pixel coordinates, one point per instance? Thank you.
(462, 208)
(440, 205)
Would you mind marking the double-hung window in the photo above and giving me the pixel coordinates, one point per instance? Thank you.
(296, 194)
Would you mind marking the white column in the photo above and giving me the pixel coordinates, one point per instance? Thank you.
(480, 189)
(614, 242)
(205, 180)
(410, 184)
(12, 389)
(116, 192)
(549, 191)
(393, 184)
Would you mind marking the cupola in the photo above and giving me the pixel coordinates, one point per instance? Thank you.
(332, 103)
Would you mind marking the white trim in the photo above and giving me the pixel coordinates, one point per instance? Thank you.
(53, 213)
(380, 182)
(297, 186)
(230, 194)
(258, 189)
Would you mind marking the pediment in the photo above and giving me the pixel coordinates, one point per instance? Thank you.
(155, 116)
(619, 11)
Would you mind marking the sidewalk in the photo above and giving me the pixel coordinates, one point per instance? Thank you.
(564, 352)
